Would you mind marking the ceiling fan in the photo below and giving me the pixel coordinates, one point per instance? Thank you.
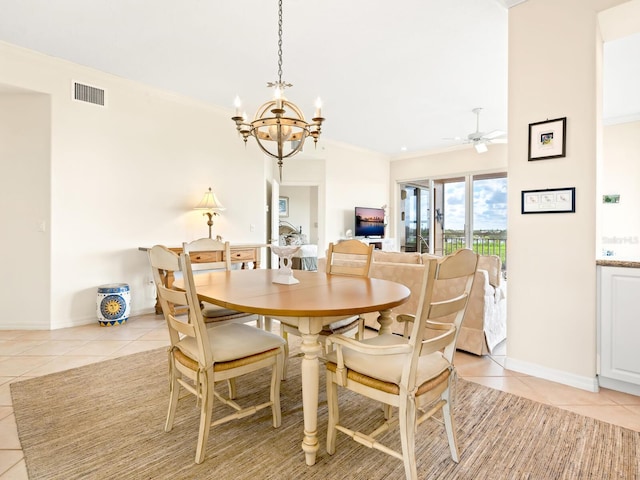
(479, 139)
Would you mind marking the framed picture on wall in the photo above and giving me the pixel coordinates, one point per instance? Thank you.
(283, 206)
(551, 200)
(548, 139)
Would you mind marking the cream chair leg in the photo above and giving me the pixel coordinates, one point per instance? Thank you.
(231, 384)
(326, 347)
(334, 413)
(388, 411)
(173, 399)
(450, 425)
(206, 412)
(360, 329)
(407, 416)
(275, 389)
(260, 322)
(268, 323)
(285, 362)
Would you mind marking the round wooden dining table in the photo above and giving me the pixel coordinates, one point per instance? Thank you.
(310, 304)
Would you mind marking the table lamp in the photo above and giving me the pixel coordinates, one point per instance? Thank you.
(211, 205)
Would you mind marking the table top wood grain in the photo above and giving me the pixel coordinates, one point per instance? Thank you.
(317, 295)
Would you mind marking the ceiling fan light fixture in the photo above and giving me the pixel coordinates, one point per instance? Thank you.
(481, 147)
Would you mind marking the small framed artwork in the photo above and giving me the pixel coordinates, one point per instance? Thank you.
(551, 200)
(548, 139)
(283, 206)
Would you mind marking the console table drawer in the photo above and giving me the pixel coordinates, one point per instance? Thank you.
(248, 255)
(206, 257)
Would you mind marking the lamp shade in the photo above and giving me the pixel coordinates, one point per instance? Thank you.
(209, 202)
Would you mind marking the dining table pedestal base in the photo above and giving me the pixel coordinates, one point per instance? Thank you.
(385, 321)
(309, 328)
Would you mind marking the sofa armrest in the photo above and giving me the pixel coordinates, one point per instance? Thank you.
(493, 265)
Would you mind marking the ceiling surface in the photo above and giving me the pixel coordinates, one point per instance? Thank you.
(394, 77)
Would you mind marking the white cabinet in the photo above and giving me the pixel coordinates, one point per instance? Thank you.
(619, 328)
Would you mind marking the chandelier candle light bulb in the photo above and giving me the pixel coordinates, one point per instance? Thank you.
(318, 113)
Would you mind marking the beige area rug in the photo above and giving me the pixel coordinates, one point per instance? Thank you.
(105, 421)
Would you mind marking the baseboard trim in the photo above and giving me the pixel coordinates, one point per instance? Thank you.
(619, 385)
(578, 381)
(79, 322)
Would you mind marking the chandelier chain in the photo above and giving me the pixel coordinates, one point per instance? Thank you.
(280, 42)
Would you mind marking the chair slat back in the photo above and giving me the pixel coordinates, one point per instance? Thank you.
(188, 324)
(447, 307)
(460, 266)
(351, 257)
(208, 254)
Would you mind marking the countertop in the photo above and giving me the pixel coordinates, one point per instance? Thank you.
(617, 263)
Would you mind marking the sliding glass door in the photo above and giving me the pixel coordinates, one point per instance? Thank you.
(416, 220)
(490, 216)
(468, 212)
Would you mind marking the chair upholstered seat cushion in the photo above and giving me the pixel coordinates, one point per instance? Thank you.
(233, 340)
(388, 368)
(211, 311)
(339, 326)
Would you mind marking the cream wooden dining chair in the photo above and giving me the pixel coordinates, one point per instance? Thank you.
(200, 356)
(210, 254)
(351, 257)
(413, 373)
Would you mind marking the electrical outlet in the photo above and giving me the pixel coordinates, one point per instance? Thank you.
(252, 228)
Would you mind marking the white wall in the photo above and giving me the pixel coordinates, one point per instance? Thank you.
(619, 229)
(25, 192)
(346, 177)
(299, 208)
(551, 314)
(358, 178)
(128, 175)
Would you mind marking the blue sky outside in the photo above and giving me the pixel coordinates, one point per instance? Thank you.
(489, 205)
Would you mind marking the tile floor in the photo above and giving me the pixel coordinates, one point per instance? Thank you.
(26, 354)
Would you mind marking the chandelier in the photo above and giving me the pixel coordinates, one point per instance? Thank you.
(279, 125)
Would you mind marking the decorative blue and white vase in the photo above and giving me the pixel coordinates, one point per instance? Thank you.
(114, 304)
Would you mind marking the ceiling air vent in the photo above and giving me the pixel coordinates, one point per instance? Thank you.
(87, 93)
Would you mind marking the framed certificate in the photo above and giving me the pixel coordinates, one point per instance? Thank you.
(552, 200)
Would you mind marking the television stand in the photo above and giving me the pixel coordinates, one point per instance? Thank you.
(386, 244)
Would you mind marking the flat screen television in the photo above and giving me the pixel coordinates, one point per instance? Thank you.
(369, 222)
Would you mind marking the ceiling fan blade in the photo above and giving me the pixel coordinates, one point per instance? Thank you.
(479, 139)
(499, 140)
(494, 134)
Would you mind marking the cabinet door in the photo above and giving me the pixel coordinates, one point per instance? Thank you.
(620, 323)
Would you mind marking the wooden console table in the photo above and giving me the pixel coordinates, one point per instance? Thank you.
(243, 254)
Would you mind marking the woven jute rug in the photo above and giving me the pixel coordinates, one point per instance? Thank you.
(105, 421)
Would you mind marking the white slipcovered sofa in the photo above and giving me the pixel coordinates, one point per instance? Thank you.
(484, 324)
